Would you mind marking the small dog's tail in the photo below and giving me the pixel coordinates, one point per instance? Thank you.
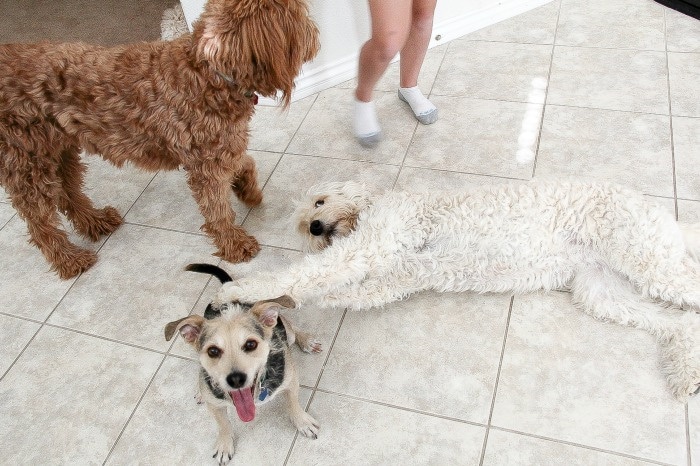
(218, 272)
(691, 236)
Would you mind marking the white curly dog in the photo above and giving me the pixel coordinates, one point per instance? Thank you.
(624, 259)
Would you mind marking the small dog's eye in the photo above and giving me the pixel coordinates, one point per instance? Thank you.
(250, 345)
(319, 203)
(214, 352)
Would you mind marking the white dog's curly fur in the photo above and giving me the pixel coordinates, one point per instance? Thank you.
(625, 259)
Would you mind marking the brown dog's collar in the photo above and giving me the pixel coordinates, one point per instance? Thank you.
(247, 94)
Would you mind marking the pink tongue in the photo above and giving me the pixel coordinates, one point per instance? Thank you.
(243, 401)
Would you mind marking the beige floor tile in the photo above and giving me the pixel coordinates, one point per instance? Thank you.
(23, 267)
(475, 136)
(168, 202)
(322, 323)
(633, 149)
(138, 285)
(610, 79)
(14, 334)
(688, 211)
(327, 130)
(569, 377)
(106, 184)
(413, 354)
(625, 24)
(358, 433)
(682, 32)
(515, 449)
(533, 27)
(684, 76)
(494, 70)
(272, 128)
(81, 391)
(686, 142)
(694, 430)
(170, 428)
(6, 213)
(272, 222)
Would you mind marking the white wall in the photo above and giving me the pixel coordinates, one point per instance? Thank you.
(344, 26)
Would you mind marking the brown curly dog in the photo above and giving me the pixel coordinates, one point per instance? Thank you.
(160, 106)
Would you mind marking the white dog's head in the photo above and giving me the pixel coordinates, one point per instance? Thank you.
(329, 210)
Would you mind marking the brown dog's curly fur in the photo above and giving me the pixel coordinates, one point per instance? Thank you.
(160, 106)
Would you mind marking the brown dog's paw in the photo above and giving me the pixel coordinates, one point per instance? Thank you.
(252, 197)
(103, 222)
(239, 251)
(74, 262)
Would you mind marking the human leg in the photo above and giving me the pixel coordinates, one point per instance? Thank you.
(391, 21)
(412, 56)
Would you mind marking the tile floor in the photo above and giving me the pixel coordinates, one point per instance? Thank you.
(601, 89)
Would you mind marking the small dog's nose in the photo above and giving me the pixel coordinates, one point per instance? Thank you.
(236, 379)
(316, 228)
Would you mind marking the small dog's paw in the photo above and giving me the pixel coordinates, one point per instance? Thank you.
(198, 398)
(312, 345)
(307, 425)
(224, 450)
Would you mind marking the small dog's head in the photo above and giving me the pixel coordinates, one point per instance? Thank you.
(328, 211)
(233, 347)
(260, 44)
(234, 341)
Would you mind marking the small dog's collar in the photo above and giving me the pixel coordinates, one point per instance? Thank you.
(247, 94)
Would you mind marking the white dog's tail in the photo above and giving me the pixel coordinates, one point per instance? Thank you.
(691, 236)
(606, 295)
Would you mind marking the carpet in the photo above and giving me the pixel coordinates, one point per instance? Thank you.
(173, 23)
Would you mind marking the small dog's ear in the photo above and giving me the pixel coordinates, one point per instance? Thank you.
(266, 312)
(189, 327)
(284, 301)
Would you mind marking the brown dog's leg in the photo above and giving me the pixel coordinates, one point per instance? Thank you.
(34, 190)
(88, 221)
(245, 184)
(211, 187)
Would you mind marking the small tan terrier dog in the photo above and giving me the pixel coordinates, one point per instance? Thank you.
(245, 360)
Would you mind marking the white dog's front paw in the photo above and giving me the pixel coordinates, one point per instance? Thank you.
(224, 450)
(306, 425)
(229, 292)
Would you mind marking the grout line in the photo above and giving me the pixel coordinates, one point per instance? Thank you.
(498, 376)
(400, 408)
(689, 450)
(133, 411)
(546, 94)
(318, 380)
(579, 445)
(9, 368)
(670, 119)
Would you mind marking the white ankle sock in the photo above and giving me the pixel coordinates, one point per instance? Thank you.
(422, 108)
(366, 124)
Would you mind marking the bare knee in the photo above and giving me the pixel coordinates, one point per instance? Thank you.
(385, 47)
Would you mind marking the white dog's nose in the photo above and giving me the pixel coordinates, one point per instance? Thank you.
(316, 228)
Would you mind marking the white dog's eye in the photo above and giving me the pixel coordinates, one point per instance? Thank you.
(319, 203)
